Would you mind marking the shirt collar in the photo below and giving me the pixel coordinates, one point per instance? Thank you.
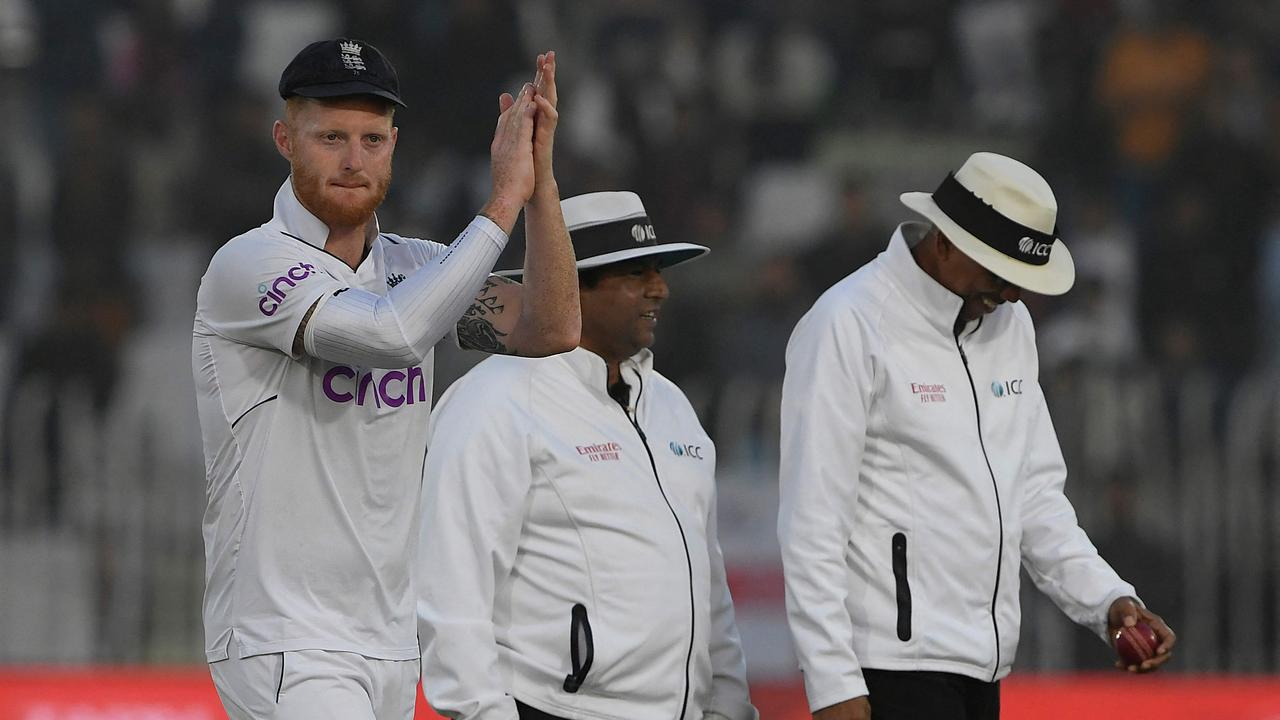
(300, 223)
(594, 373)
(938, 305)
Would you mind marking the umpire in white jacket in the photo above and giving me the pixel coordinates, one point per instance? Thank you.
(920, 468)
(569, 566)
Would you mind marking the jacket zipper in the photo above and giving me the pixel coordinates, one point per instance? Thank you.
(644, 440)
(995, 624)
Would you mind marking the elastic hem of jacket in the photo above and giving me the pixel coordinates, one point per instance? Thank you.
(249, 650)
(982, 673)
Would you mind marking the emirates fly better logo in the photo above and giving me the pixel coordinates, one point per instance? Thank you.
(601, 451)
(929, 392)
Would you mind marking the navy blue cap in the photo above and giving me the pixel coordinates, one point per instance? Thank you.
(338, 68)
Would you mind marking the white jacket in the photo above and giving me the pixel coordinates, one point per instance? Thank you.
(569, 555)
(918, 470)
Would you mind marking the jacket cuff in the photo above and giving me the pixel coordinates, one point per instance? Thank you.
(854, 688)
(747, 712)
(1100, 626)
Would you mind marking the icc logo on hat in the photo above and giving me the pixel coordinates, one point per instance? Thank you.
(641, 232)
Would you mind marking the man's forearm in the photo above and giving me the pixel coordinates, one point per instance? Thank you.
(503, 211)
(398, 329)
(551, 316)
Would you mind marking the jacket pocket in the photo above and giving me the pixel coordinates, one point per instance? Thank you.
(582, 649)
(903, 585)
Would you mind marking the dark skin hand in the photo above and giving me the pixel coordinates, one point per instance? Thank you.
(1126, 612)
(858, 708)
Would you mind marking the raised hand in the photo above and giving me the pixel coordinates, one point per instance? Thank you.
(511, 158)
(544, 126)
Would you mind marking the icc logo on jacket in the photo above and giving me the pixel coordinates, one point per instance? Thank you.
(693, 451)
(1007, 387)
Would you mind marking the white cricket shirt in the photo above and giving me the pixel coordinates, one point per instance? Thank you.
(314, 468)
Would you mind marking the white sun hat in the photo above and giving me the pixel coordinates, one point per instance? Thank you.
(610, 227)
(1003, 215)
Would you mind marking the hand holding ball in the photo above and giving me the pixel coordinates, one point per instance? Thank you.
(1143, 640)
(1135, 644)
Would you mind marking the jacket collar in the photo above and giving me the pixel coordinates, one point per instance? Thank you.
(938, 305)
(298, 221)
(594, 373)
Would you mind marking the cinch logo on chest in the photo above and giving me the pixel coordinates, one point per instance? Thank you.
(394, 388)
(601, 451)
(929, 392)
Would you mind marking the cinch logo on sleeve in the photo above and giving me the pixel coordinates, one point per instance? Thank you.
(274, 292)
(690, 451)
(597, 452)
(391, 388)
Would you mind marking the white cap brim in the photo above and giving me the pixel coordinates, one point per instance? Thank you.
(1053, 278)
(669, 254)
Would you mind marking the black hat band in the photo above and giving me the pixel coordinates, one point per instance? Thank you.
(610, 237)
(991, 227)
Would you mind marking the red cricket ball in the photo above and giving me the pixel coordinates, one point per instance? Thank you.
(1135, 644)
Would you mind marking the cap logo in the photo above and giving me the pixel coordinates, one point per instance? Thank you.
(350, 52)
(1029, 246)
(641, 232)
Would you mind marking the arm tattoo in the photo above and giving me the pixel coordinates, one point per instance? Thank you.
(475, 328)
(299, 348)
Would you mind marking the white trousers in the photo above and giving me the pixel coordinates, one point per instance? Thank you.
(315, 685)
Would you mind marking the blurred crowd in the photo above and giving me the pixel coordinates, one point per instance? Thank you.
(777, 133)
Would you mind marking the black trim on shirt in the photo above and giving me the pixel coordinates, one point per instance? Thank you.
(326, 252)
(255, 406)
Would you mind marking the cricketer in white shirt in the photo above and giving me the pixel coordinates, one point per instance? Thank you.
(312, 353)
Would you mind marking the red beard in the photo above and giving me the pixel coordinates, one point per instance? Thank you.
(311, 191)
